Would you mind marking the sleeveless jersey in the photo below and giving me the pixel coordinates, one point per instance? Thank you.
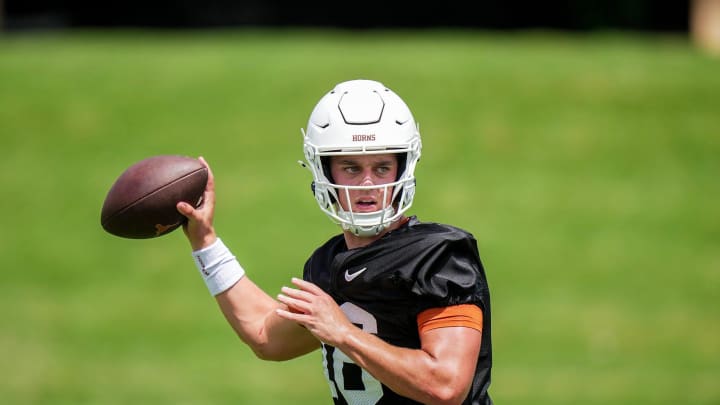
(382, 288)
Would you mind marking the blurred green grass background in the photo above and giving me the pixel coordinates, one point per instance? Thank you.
(586, 166)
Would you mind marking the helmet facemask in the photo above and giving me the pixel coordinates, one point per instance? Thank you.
(395, 197)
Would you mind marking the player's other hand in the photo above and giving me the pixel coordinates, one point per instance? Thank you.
(199, 226)
(313, 308)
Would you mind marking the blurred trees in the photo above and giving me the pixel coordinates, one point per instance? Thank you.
(649, 15)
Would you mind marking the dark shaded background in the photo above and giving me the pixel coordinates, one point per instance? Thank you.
(641, 15)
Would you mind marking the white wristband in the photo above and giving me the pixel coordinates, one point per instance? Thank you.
(218, 267)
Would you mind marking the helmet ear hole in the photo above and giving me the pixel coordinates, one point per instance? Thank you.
(325, 163)
(402, 165)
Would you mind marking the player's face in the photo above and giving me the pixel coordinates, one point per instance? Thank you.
(364, 170)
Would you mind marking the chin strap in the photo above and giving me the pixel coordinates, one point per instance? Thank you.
(367, 224)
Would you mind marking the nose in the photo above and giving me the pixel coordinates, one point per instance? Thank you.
(367, 177)
(367, 181)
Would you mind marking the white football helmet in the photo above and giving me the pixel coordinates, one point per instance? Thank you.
(361, 117)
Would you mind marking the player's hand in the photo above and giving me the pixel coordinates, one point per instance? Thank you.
(199, 226)
(314, 309)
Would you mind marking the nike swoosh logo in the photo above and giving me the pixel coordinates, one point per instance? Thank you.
(351, 276)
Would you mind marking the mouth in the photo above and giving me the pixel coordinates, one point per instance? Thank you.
(366, 204)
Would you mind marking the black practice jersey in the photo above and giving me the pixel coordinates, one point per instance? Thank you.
(384, 286)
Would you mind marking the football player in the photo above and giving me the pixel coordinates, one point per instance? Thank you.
(400, 308)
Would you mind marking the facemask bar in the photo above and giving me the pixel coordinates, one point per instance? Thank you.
(362, 224)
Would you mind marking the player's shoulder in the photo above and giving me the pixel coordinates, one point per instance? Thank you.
(437, 232)
(430, 239)
(444, 265)
(438, 228)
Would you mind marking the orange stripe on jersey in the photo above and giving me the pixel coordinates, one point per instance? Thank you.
(466, 315)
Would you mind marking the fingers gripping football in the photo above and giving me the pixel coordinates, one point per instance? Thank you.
(199, 226)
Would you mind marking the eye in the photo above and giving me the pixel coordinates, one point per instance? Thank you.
(351, 169)
(383, 170)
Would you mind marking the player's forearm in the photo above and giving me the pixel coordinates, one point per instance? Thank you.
(413, 373)
(251, 313)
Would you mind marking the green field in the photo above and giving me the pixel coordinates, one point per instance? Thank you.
(586, 166)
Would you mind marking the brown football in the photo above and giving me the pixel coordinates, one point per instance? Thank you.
(141, 203)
